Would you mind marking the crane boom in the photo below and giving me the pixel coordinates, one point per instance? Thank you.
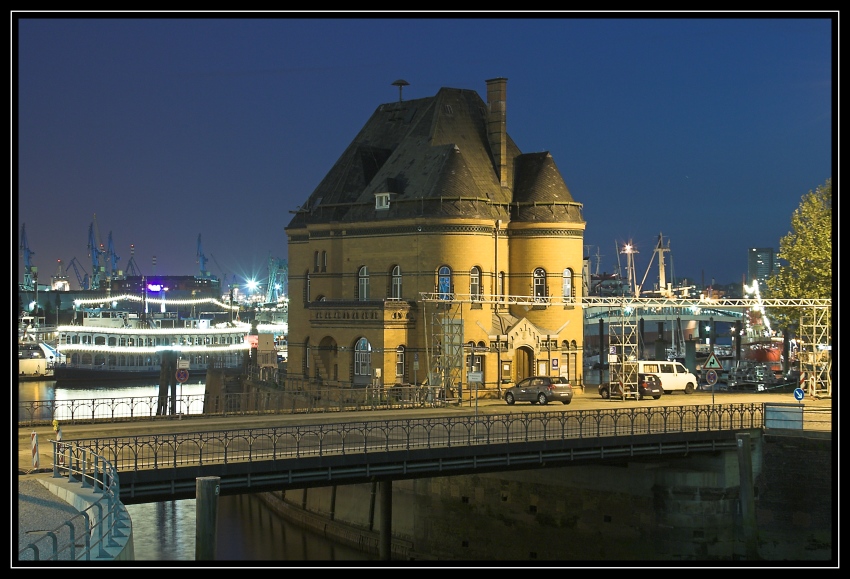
(95, 252)
(83, 281)
(113, 257)
(202, 259)
(27, 255)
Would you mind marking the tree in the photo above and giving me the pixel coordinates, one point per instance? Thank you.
(805, 255)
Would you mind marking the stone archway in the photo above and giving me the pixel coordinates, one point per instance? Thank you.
(328, 352)
(523, 363)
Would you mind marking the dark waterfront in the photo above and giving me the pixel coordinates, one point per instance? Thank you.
(597, 513)
(247, 530)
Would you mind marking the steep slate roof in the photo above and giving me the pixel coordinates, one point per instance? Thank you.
(433, 156)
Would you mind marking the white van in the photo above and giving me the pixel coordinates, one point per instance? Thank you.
(673, 375)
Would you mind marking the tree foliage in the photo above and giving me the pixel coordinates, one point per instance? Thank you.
(805, 255)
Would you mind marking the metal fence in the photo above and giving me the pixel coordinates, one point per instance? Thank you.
(95, 529)
(300, 399)
(157, 451)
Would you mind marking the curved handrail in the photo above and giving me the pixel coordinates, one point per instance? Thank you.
(88, 534)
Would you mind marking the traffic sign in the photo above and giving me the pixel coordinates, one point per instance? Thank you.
(711, 377)
(182, 375)
(799, 394)
(182, 363)
(712, 363)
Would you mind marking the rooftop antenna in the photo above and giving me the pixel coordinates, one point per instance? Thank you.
(400, 83)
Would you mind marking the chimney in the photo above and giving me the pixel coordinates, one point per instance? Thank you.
(497, 125)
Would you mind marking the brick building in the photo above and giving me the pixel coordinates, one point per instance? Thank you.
(434, 247)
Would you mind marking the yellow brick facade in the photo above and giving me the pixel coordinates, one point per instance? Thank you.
(367, 296)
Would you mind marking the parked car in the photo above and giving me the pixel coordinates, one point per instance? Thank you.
(540, 390)
(648, 385)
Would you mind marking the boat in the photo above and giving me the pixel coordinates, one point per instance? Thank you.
(759, 344)
(37, 354)
(110, 344)
(750, 376)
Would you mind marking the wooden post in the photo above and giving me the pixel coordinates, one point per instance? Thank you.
(206, 515)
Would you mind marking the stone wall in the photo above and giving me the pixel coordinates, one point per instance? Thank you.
(670, 509)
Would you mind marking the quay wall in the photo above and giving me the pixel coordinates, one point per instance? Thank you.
(684, 509)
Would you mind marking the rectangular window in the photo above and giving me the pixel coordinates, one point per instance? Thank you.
(382, 200)
(399, 364)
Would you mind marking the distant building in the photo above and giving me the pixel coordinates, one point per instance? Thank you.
(433, 198)
(761, 263)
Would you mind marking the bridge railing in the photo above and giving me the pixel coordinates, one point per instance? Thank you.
(305, 399)
(174, 450)
(90, 533)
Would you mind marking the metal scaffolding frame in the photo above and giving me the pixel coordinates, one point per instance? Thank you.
(446, 361)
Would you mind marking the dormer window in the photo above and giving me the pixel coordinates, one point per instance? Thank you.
(382, 200)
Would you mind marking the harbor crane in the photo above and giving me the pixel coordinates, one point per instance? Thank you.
(278, 279)
(202, 259)
(30, 272)
(112, 257)
(82, 280)
(221, 269)
(95, 251)
(131, 263)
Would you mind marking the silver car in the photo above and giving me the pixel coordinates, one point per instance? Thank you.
(540, 389)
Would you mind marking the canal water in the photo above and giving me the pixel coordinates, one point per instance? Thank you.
(165, 531)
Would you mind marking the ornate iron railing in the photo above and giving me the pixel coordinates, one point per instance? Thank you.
(157, 451)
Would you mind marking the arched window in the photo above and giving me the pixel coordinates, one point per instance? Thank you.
(568, 283)
(444, 283)
(362, 358)
(540, 292)
(475, 282)
(324, 261)
(395, 289)
(363, 284)
(399, 364)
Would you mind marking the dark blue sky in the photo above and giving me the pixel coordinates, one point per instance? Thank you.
(707, 130)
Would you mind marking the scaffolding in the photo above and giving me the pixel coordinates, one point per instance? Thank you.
(444, 351)
(444, 331)
(815, 351)
(623, 351)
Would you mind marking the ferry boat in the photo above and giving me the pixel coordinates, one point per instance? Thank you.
(37, 354)
(121, 344)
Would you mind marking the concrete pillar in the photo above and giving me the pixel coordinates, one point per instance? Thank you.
(747, 494)
(386, 530)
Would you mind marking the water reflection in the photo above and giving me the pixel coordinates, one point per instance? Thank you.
(246, 531)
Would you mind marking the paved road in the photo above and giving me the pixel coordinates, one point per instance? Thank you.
(587, 400)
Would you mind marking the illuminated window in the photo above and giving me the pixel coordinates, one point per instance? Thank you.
(540, 292)
(568, 283)
(363, 358)
(444, 283)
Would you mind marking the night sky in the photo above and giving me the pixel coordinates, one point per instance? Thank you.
(158, 129)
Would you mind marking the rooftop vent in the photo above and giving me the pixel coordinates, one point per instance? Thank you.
(400, 83)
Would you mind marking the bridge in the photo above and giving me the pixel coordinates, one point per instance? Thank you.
(158, 467)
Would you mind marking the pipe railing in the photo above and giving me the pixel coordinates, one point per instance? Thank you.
(90, 533)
